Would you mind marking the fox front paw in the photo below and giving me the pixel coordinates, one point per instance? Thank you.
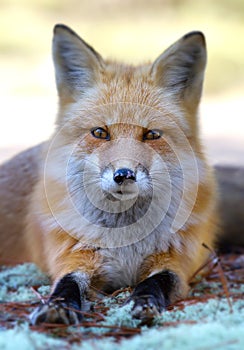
(153, 295)
(146, 307)
(55, 312)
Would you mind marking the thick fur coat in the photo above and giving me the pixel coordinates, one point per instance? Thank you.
(124, 192)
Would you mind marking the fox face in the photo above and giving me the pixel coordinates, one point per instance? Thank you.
(125, 155)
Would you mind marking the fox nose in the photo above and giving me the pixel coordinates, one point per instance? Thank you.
(123, 174)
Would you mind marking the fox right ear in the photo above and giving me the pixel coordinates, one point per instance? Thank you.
(77, 64)
(180, 69)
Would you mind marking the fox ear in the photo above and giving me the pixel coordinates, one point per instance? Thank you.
(180, 69)
(76, 63)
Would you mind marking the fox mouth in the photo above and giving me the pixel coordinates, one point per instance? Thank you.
(125, 192)
(119, 195)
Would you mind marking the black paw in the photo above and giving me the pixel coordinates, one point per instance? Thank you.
(152, 295)
(55, 312)
(146, 307)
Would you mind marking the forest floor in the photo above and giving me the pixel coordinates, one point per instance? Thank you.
(211, 317)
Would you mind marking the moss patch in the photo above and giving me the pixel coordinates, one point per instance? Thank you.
(203, 321)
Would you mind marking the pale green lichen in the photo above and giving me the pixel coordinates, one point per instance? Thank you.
(22, 338)
(121, 316)
(44, 290)
(120, 298)
(22, 275)
(215, 327)
(20, 295)
(16, 282)
(213, 309)
(210, 336)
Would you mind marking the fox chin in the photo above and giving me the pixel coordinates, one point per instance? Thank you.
(123, 194)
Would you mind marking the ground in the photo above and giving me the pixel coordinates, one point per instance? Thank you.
(212, 317)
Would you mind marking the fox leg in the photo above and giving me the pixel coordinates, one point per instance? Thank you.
(152, 295)
(163, 281)
(72, 271)
(65, 303)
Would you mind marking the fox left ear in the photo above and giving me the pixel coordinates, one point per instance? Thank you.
(77, 65)
(180, 69)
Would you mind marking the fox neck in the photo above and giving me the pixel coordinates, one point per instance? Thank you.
(135, 221)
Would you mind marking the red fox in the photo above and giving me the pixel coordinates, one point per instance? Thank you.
(124, 195)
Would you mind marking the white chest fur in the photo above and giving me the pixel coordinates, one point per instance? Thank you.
(121, 266)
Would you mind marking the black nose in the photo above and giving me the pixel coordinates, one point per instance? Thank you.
(123, 174)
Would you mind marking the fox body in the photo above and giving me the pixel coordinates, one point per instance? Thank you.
(124, 195)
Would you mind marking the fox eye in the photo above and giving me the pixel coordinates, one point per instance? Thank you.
(152, 135)
(100, 133)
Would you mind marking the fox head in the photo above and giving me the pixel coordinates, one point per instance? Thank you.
(126, 147)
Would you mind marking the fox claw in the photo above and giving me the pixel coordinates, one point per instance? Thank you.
(145, 308)
(55, 312)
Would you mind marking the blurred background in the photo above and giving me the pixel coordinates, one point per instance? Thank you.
(130, 30)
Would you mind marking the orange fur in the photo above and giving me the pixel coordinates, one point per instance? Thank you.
(127, 102)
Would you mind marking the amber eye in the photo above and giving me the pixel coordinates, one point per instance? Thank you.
(100, 133)
(152, 135)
